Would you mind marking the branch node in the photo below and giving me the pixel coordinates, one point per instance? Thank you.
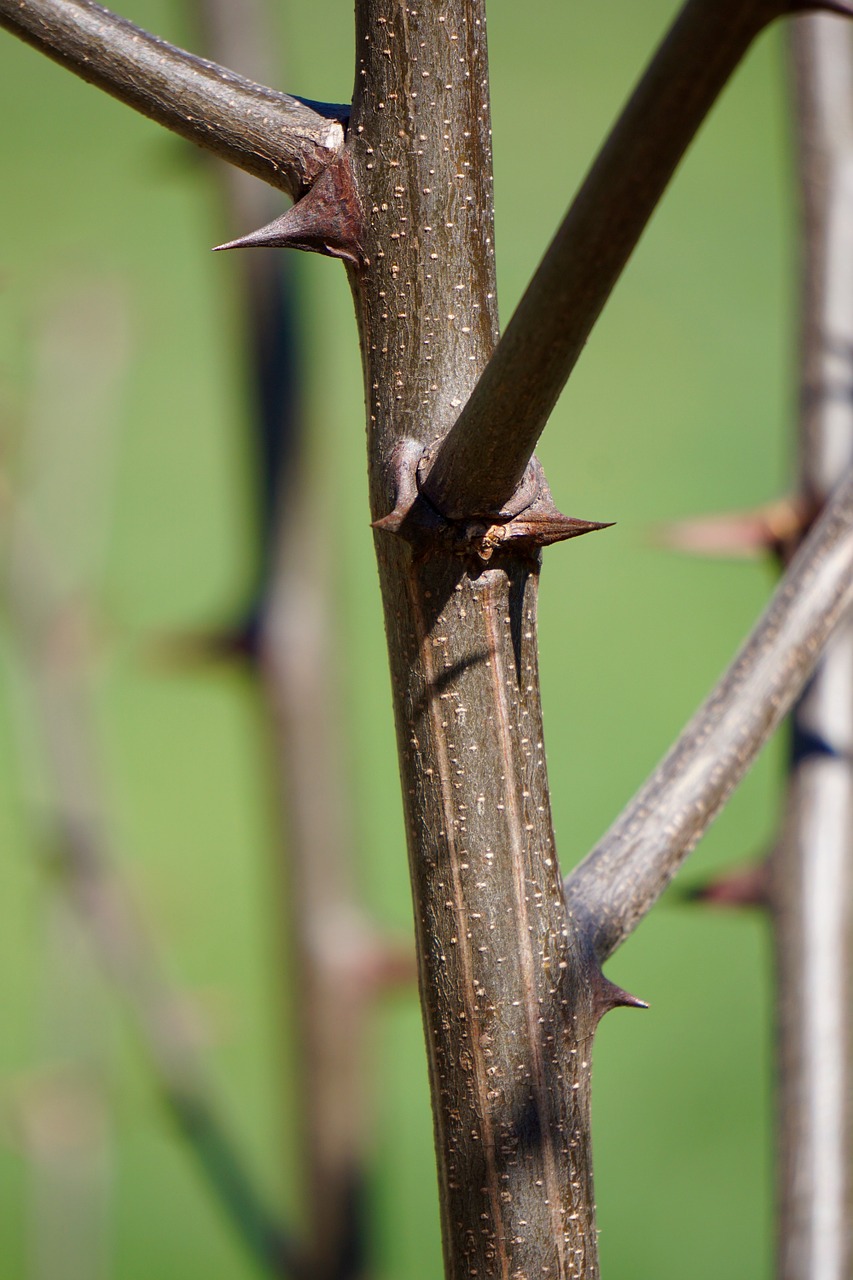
(527, 523)
(523, 497)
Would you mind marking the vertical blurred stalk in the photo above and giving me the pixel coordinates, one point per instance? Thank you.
(812, 866)
(290, 632)
(56, 536)
(66, 1115)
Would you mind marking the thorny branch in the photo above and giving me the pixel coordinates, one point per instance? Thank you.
(483, 458)
(514, 1161)
(284, 140)
(620, 880)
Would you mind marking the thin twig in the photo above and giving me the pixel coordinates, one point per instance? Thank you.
(482, 460)
(811, 869)
(624, 875)
(286, 141)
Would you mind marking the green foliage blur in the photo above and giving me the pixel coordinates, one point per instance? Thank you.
(682, 404)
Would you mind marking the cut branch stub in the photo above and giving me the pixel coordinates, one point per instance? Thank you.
(529, 522)
(327, 220)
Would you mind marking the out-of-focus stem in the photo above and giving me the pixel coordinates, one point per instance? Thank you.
(811, 883)
(52, 638)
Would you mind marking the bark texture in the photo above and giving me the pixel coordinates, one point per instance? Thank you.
(509, 1007)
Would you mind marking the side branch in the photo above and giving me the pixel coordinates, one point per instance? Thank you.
(624, 875)
(483, 459)
(280, 139)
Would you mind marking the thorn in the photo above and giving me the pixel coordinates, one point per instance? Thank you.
(607, 996)
(742, 887)
(404, 461)
(619, 998)
(327, 220)
(550, 527)
(775, 528)
(274, 235)
(390, 523)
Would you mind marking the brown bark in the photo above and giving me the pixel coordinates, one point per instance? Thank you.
(510, 979)
(811, 880)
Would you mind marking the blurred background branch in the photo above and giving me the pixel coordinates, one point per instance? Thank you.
(55, 526)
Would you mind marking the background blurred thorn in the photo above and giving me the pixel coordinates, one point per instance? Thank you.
(740, 887)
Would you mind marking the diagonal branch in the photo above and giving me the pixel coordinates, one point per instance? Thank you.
(283, 140)
(482, 460)
(624, 875)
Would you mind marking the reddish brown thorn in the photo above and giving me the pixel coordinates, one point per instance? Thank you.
(743, 887)
(609, 996)
(546, 527)
(776, 528)
(390, 523)
(327, 220)
(404, 463)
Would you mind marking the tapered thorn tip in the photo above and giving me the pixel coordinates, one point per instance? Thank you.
(610, 996)
(271, 236)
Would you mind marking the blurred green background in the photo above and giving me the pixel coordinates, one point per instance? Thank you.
(682, 404)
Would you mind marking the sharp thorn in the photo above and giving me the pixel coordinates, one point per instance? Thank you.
(274, 235)
(609, 996)
(619, 998)
(390, 523)
(549, 527)
(326, 220)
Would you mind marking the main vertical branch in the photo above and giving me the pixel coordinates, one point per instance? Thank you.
(509, 1006)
